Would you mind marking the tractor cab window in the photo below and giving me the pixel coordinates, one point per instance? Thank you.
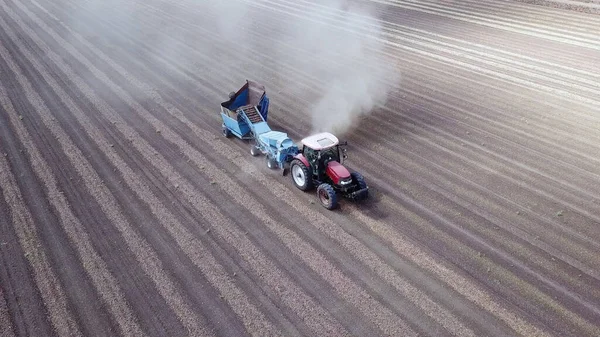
(330, 154)
(310, 154)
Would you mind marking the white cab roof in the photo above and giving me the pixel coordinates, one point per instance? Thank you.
(320, 141)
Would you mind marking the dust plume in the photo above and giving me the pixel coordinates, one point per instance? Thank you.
(326, 53)
(345, 44)
(336, 45)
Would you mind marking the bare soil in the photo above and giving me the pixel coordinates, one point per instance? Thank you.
(124, 212)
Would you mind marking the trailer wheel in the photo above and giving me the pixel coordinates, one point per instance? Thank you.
(254, 151)
(327, 196)
(226, 132)
(271, 163)
(300, 175)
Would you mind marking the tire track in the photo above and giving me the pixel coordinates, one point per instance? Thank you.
(147, 257)
(199, 201)
(316, 262)
(253, 207)
(488, 13)
(6, 328)
(550, 141)
(430, 306)
(394, 29)
(104, 282)
(47, 283)
(483, 21)
(553, 13)
(592, 103)
(390, 154)
(536, 14)
(496, 272)
(459, 283)
(515, 205)
(460, 190)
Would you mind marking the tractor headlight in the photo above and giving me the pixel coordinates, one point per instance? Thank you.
(346, 181)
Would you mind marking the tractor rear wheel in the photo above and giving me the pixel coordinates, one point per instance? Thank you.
(327, 196)
(300, 175)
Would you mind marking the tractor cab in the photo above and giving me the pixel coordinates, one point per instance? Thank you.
(321, 149)
(319, 164)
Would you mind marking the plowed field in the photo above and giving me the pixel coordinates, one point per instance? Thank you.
(125, 212)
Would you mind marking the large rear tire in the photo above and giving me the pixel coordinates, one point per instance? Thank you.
(327, 196)
(301, 175)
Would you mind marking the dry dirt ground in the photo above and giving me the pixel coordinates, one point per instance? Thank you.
(124, 212)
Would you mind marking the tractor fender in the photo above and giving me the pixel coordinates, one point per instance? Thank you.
(303, 159)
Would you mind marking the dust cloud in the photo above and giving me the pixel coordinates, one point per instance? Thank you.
(336, 45)
(328, 54)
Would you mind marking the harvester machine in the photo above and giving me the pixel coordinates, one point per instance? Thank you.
(245, 116)
(317, 165)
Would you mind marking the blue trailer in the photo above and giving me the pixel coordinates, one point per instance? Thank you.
(245, 116)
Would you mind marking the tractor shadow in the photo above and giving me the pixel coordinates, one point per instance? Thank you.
(370, 207)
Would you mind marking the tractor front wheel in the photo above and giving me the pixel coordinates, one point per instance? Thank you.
(254, 151)
(327, 196)
(359, 180)
(300, 175)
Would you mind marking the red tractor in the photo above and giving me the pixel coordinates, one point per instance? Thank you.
(318, 164)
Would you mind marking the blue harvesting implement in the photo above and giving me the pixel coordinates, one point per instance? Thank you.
(317, 165)
(245, 116)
